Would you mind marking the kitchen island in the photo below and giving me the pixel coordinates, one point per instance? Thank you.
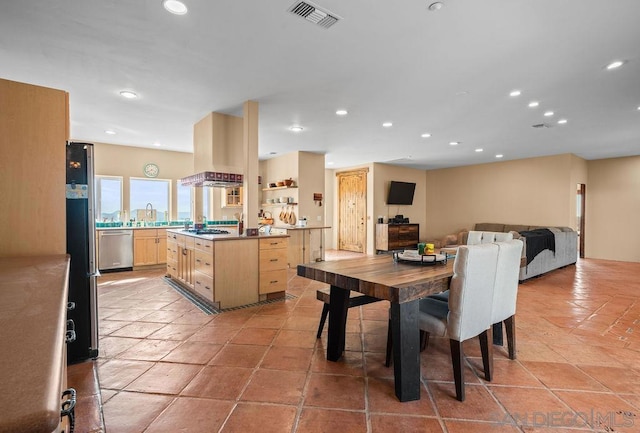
(228, 270)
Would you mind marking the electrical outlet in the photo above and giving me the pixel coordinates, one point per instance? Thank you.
(319, 217)
(224, 217)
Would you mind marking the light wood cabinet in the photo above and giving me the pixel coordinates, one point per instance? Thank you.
(149, 247)
(306, 245)
(172, 254)
(33, 130)
(236, 272)
(232, 197)
(204, 269)
(391, 237)
(273, 266)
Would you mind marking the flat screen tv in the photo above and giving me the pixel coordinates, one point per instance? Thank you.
(401, 193)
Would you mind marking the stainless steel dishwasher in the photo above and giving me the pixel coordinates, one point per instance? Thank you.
(115, 250)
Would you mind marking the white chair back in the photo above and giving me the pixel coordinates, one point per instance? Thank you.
(471, 291)
(506, 281)
(478, 237)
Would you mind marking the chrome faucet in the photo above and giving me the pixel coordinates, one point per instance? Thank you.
(148, 212)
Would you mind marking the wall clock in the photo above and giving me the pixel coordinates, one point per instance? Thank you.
(151, 170)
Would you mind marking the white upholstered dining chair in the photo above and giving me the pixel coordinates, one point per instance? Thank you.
(506, 290)
(468, 312)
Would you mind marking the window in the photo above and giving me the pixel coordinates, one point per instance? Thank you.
(149, 199)
(109, 198)
(184, 202)
(206, 203)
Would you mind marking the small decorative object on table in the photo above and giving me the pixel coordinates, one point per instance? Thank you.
(412, 256)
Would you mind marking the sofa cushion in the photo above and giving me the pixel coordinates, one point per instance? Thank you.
(489, 227)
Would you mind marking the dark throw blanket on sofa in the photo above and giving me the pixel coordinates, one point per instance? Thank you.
(538, 240)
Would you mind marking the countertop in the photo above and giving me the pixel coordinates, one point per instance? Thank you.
(33, 302)
(227, 237)
(301, 228)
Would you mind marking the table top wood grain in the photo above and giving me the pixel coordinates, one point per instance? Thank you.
(381, 277)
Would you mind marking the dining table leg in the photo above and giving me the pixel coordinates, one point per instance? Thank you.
(338, 307)
(406, 350)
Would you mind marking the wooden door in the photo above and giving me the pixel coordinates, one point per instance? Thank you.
(352, 210)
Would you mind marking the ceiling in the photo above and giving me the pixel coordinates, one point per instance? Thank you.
(447, 72)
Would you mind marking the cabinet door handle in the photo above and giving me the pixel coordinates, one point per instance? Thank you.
(207, 287)
(273, 260)
(273, 281)
(68, 406)
(207, 264)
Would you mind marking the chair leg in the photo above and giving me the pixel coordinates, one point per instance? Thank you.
(510, 325)
(457, 359)
(486, 348)
(323, 318)
(387, 361)
(424, 340)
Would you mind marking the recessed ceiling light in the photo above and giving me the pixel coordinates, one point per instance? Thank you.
(296, 128)
(342, 112)
(273, 153)
(454, 143)
(156, 144)
(638, 108)
(435, 6)
(425, 135)
(562, 121)
(175, 7)
(533, 104)
(615, 64)
(479, 150)
(548, 113)
(499, 155)
(110, 132)
(330, 163)
(515, 93)
(387, 124)
(128, 94)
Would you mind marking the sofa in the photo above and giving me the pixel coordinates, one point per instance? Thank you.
(566, 247)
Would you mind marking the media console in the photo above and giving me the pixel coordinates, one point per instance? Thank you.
(390, 237)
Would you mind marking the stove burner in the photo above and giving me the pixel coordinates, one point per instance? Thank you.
(211, 232)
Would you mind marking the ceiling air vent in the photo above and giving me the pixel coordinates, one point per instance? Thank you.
(313, 13)
(541, 125)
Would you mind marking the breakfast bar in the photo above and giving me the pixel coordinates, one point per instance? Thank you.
(403, 284)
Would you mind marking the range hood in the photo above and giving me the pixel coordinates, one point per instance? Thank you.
(214, 179)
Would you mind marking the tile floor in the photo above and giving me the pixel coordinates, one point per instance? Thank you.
(166, 367)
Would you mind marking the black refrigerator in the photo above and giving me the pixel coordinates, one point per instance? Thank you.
(82, 311)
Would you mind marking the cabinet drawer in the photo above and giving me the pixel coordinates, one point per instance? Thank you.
(273, 281)
(204, 262)
(145, 233)
(204, 245)
(204, 285)
(172, 237)
(172, 251)
(172, 268)
(273, 259)
(274, 243)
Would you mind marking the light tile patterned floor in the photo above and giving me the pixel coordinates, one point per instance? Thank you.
(166, 367)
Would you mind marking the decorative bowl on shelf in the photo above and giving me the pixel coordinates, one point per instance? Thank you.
(280, 183)
(288, 182)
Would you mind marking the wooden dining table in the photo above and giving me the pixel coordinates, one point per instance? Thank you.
(401, 283)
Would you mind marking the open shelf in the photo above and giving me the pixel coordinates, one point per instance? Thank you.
(278, 204)
(275, 188)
